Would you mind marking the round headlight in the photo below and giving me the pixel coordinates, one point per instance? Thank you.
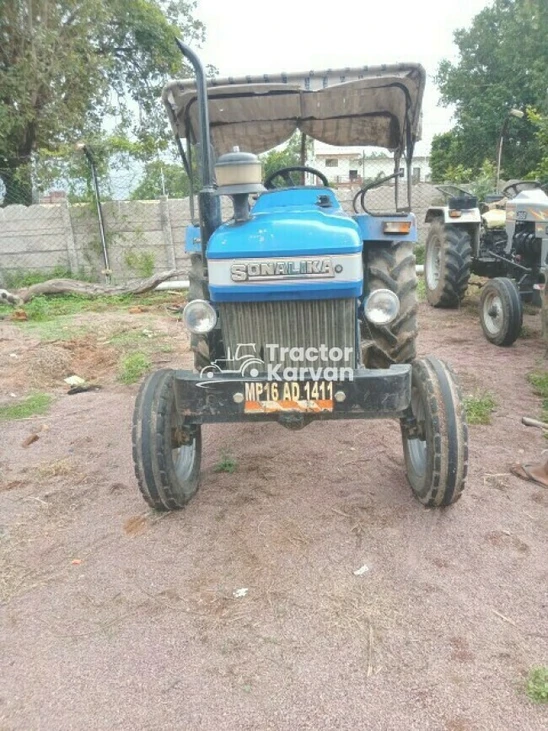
(382, 307)
(199, 317)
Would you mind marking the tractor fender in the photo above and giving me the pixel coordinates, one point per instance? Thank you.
(467, 216)
(470, 219)
(435, 212)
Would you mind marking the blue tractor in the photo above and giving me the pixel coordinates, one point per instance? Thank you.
(298, 310)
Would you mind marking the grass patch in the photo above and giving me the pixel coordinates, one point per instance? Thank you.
(153, 299)
(539, 381)
(147, 341)
(133, 367)
(59, 468)
(525, 332)
(48, 307)
(419, 252)
(537, 684)
(62, 328)
(421, 289)
(479, 408)
(33, 405)
(19, 278)
(131, 338)
(227, 463)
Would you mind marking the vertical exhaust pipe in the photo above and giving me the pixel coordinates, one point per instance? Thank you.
(209, 204)
(203, 113)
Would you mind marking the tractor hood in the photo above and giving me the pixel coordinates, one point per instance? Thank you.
(297, 244)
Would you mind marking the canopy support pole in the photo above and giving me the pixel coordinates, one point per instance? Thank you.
(303, 156)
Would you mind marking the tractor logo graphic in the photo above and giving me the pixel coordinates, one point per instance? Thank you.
(248, 363)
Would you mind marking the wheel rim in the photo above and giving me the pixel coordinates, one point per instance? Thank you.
(183, 460)
(183, 457)
(493, 314)
(417, 446)
(433, 264)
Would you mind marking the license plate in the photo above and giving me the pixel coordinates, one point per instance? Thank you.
(273, 396)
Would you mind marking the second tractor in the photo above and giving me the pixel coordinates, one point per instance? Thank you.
(504, 239)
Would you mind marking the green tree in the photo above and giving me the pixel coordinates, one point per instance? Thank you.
(66, 65)
(114, 157)
(288, 156)
(161, 178)
(502, 64)
(541, 136)
(445, 154)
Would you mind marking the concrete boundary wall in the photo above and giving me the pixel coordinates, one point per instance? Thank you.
(143, 237)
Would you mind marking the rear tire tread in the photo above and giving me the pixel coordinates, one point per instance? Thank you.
(455, 265)
(391, 266)
(199, 344)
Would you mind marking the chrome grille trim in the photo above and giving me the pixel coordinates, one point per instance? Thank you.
(298, 323)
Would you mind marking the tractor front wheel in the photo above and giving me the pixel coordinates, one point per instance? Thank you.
(447, 263)
(501, 313)
(166, 452)
(435, 435)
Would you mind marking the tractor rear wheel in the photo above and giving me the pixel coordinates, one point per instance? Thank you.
(199, 344)
(391, 266)
(435, 437)
(166, 452)
(501, 312)
(447, 263)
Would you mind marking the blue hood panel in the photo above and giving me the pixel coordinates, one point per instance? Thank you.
(297, 244)
(289, 222)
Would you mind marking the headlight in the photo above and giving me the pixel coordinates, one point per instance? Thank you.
(199, 316)
(382, 307)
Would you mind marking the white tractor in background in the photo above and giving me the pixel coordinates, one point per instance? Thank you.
(504, 239)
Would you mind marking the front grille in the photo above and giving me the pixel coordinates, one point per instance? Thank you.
(293, 324)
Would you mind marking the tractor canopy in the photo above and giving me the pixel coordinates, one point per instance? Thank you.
(375, 106)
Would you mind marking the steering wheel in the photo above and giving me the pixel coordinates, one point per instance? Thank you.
(285, 174)
(514, 188)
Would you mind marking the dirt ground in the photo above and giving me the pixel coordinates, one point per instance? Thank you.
(115, 617)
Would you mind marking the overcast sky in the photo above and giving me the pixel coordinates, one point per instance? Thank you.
(246, 37)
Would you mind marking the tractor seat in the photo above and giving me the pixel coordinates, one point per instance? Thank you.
(495, 218)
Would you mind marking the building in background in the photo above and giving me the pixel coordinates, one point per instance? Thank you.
(352, 165)
(53, 196)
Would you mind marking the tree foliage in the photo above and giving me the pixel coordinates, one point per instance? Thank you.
(114, 157)
(502, 63)
(288, 156)
(66, 65)
(162, 178)
(541, 136)
(444, 154)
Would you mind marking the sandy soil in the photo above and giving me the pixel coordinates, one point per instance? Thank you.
(115, 617)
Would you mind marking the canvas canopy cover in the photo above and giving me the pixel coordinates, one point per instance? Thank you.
(368, 106)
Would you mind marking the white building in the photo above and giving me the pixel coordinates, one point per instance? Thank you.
(352, 165)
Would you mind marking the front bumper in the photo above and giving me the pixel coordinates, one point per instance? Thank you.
(371, 394)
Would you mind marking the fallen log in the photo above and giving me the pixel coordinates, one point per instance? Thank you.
(88, 289)
(527, 421)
